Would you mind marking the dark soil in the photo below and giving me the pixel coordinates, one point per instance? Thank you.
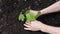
(10, 9)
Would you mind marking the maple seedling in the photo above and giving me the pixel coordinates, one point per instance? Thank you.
(29, 16)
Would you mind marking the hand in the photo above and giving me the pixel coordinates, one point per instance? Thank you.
(33, 26)
(34, 12)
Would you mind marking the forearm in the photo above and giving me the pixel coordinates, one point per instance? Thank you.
(50, 29)
(53, 8)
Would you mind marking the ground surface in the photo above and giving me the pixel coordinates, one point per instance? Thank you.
(10, 9)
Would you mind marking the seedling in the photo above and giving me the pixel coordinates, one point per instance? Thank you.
(29, 16)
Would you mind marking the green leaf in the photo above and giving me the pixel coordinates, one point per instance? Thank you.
(21, 17)
(30, 17)
(28, 11)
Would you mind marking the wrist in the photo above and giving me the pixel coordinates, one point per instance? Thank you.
(48, 29)
(43, 11)
(44, 28)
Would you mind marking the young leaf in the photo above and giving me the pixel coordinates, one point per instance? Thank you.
(28, 11)
(21, 17)
(30, 17)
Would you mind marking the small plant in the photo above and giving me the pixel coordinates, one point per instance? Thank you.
(29, 16)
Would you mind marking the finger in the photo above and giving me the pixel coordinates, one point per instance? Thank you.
(26, 25)
(27, 28)
(27, 21)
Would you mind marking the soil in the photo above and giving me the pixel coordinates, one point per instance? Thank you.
(10, 9)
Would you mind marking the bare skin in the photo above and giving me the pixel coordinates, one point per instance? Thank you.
(37, 25)
(53, 8)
